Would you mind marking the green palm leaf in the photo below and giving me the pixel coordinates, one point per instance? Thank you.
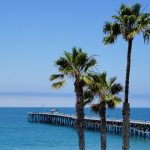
(116, 88)
(88, 96)
(71, 65)
(128, 22)
(107, 90)
(58, 85)
(56, 76)
(95, 108)
(146, 35)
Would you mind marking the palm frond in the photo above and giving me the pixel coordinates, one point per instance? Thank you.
(117, 18)
(107, 27)
(86, 80)
(75, 64)
(113, 102)
(125, 10)
(81, 60)
(56, 76)
(112, 80)
(136, 9)
(133, 33)
(62, 62)
(65, 66)
(88, 96)
(109, 39)
(146, 35)
(102, 78)
(128, 22)
(58, 85)
(74, 54)
(105, 89)
(122, 7)
(116, 88)
(117, 100)
(68, 56)
(91, 62)
(95, 108)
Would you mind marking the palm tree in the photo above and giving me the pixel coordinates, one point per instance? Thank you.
(75, 65)
(107, 94)
(129, 22)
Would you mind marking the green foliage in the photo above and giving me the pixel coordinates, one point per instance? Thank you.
(58, 85)
(88, 96)
(128, 22)
(113, 30)
(95, 108)
(146, 35)
(116, 88)
(106, 90)
(56, 76)
(72, 65)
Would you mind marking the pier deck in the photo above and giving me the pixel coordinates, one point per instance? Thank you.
(137, 128)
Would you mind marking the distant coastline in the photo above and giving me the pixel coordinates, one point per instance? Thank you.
(55, 99)
(47, 94)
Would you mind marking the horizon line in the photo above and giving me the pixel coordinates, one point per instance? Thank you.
(34, 93)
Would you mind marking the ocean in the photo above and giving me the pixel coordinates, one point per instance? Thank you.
(18, 134)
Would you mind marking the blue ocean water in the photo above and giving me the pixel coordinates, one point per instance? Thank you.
(18, 134)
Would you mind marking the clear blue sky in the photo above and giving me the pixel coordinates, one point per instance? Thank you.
(34, 33)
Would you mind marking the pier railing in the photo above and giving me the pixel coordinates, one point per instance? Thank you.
(137, 128)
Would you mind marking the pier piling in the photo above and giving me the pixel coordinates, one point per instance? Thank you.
(137, 128)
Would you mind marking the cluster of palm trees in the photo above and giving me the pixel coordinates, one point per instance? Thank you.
(90, 85)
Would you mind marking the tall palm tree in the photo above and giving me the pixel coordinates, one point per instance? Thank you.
(76, 65)
(106, 91)
(129, 22)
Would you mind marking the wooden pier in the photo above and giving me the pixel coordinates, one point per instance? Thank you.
(137, 128)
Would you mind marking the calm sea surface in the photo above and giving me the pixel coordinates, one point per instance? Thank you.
(17, 134)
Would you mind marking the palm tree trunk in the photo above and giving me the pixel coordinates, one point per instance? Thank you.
(103, 125)
(80, 114)
(126, 105)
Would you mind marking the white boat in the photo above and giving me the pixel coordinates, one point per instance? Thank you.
(54, 110)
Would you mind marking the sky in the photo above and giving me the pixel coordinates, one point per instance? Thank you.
(34, 33)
